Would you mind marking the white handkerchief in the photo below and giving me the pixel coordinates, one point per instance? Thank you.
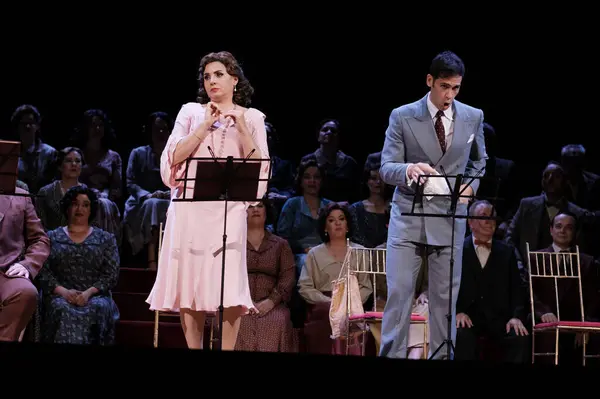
(471, 138)
(435, 185)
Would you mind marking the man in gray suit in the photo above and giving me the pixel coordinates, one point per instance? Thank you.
(433, 135)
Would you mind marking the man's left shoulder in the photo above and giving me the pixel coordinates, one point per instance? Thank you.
(468, 112)
(502, 246)
(23, 196)
(586, 259)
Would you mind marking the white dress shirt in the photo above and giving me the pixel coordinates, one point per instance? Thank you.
(447, 120)
(483, 253)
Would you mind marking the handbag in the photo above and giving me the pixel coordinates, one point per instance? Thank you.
(344, 288)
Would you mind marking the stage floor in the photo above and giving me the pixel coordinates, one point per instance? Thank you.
(27, 363)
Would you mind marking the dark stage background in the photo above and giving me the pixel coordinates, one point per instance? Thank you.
(530, 85)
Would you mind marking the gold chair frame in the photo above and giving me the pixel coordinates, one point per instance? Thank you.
(556, 272)
(371, 261)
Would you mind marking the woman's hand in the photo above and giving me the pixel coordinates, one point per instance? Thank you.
(69, 295)
(83, 298)
(212, 114)
(237, 117)
(264, 307)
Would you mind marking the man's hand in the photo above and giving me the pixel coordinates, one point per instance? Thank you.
(549, 318)
(17, 270)
(517, 325)
(417, 169)
(276, 196)
(264, 307)
(468, 191)
(463, 320)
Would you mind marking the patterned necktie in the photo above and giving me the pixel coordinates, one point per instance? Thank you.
(439, 131)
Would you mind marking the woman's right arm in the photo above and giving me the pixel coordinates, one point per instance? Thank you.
(181, 143)
(189, 143)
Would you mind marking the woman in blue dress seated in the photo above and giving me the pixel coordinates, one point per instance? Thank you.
(77, 279)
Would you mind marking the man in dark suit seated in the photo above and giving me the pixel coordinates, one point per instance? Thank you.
(24, 247)
(562, 229)
(490, 299)
(531, 223)
(584, 186)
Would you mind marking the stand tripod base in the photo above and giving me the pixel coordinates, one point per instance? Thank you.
(217, 343)
(445, 342)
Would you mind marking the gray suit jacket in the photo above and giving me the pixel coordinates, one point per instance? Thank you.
(410, 138)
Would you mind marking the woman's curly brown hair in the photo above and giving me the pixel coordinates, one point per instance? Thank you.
(244, 90)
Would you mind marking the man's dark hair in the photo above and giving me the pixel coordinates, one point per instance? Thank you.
(565, 213)
(445, 65)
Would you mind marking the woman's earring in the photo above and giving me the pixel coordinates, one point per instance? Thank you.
(234, 88)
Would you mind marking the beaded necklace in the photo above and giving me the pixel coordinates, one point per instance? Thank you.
(223, 127)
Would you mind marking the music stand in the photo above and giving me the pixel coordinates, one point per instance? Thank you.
(455, 193)
(224, 179)
(10, 151)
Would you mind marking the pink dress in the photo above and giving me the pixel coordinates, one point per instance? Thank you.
(189, 272)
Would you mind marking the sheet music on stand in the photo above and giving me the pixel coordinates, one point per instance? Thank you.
(455, 193)
(224, 180)
(10, 151)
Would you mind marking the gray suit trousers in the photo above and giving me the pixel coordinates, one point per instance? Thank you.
(403, 264)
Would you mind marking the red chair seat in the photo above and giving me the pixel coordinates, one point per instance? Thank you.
(563, 324)
(379, 316)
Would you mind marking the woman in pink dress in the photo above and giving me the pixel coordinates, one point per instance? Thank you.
(189, 266)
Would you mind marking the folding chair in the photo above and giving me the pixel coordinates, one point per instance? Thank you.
(557, 266)
(371, 261)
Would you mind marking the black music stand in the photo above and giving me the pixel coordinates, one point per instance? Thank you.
(455, 193)
(224, 179)
(10, 151)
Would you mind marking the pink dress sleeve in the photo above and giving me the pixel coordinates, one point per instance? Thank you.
(168, 171)
(259, 133)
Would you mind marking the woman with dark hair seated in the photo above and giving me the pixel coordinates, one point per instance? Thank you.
(340, 169)
(149, 198)
(37, 157)
(368, 215)
(298, 219)
(69, 162)
(95, 136)
(77, 279)
(323, 265)
(272, 276)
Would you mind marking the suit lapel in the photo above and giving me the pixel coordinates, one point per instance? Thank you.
(460, 134)
(494, 252)
(424, 132)
(5, 205)
(537, 213)
(472, 254)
